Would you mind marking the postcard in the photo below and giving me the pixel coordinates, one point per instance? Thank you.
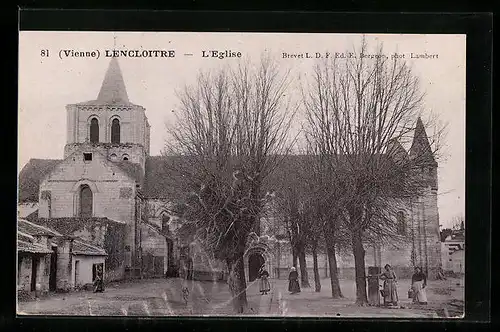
(241, 174)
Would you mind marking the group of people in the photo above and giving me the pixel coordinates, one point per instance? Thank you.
(416, 292)
(389, 290)
(265, 286)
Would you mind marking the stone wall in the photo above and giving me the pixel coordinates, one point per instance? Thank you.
(114, 245)
(64, 269)
(432, 235)
(106, 183)
(135, 153)
(42, 271)
(24, 272)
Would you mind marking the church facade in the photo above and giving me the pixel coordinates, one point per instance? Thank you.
(108, 187)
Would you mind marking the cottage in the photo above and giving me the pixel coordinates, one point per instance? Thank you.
(33, 264)
(453, 252)
(49, 260)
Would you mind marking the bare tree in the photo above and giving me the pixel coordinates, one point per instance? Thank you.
(231, 129)
(291, 205)
(360, 111)
(324, 222)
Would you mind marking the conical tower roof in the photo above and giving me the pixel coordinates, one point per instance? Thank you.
(113, 89)
(421, 147)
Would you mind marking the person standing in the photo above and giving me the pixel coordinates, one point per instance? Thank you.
(390, 292)
(418, 284)
(264, 285)
(99, 281)
(293, 284)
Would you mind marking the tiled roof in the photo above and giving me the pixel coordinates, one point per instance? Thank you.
(82, 247)
(24, 237)
(160, 175)
(27, 229)
(34, 248)
(30, 175)
(68, 226)
(30, 228)
(164, 174)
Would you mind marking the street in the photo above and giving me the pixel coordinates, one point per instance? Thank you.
(163, 297)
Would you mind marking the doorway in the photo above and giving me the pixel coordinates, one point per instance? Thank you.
(34, 266)
(94, 270)
(170, 259)
(255, 261)
(53, 270)
(77, 272)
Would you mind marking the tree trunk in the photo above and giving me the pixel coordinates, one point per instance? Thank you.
(334, 276)
(317, 282)
(359, 263)
(304, 278)
(294, 256)
(237, 284)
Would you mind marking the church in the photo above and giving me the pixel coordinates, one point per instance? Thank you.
(111, 193)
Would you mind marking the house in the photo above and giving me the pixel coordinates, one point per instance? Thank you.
(33, 261)
(49, 260)
(453, 252)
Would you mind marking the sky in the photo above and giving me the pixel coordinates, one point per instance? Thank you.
(48, 81)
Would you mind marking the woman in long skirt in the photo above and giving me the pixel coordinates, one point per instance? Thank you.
(418, 284)
(390, 290)
(293, 284)
(264, 285)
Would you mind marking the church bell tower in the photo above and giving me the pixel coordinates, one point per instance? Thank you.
(427, 242)
(110, 124)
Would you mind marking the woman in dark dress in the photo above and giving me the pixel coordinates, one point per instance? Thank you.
(99, 281)
(293, 285)
(390, 293)
(264, 285)
(418, 284)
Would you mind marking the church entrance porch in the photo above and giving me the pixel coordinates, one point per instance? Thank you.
(255, 261)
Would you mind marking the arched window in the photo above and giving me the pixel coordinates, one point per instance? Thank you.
(94, 130)
(115, 131)
(401, 223)
(125, 157)
(113, 157)
(85, 201)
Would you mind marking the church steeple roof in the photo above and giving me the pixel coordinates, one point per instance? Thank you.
(113, 89)
(421, 147)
